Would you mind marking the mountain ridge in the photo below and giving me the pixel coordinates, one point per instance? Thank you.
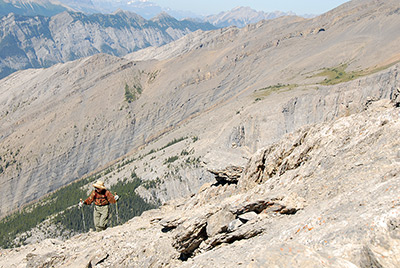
(242, 16)
(226, 93)
(69, 36)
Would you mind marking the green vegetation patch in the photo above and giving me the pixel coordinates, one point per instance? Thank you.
(265, 92)
(174, 141)
(132, 93)
(152, 183)
(8, 160)
(337, 75)
(171, 159)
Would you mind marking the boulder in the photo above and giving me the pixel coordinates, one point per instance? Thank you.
(245, 231)
(249, 216)
(228, 175)
(189, 235)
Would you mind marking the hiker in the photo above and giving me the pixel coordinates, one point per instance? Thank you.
(101, 198)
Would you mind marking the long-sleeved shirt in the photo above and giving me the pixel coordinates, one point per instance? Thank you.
(102, 198)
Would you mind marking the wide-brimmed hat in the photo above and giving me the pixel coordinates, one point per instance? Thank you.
(99, 184)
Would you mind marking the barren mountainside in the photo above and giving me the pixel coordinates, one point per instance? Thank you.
(325, 195)
(302, 98)
(239, 90)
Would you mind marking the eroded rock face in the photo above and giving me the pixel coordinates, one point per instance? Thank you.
(190, 234)
(229, 174)
(52, 131)
(338, 208)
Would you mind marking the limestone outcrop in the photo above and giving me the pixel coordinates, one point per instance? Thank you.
(229, 174)
(206, 102)
(331, 200)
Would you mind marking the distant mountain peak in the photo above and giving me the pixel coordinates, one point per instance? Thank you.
(141, 2)
(163, 15)
(128, 14)
(242, 8)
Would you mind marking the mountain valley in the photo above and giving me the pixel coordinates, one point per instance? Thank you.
(307, 108)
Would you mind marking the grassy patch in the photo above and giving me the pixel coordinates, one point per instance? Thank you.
(337, 75)
(174, 141)
(132, 93)
(129, 95)
(265, 92)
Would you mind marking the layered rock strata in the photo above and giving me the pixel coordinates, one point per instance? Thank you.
(325, 195)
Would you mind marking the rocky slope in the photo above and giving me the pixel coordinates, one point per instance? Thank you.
(34, 42)
(325, 195)
(233, 91)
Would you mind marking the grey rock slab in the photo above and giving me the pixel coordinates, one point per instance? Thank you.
(230, 174)
(219, 222)
(189, 235)
(245, 231)
(234, 225)
(249, 216)
(256, 206)
(172, 222)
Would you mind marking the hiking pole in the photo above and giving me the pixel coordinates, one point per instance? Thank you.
(116, 208)
(83, 218)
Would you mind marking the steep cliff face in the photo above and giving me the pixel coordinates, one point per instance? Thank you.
(36, 42)
(233, 90)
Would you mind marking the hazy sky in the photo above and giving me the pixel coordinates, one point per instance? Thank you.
(215, 6)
